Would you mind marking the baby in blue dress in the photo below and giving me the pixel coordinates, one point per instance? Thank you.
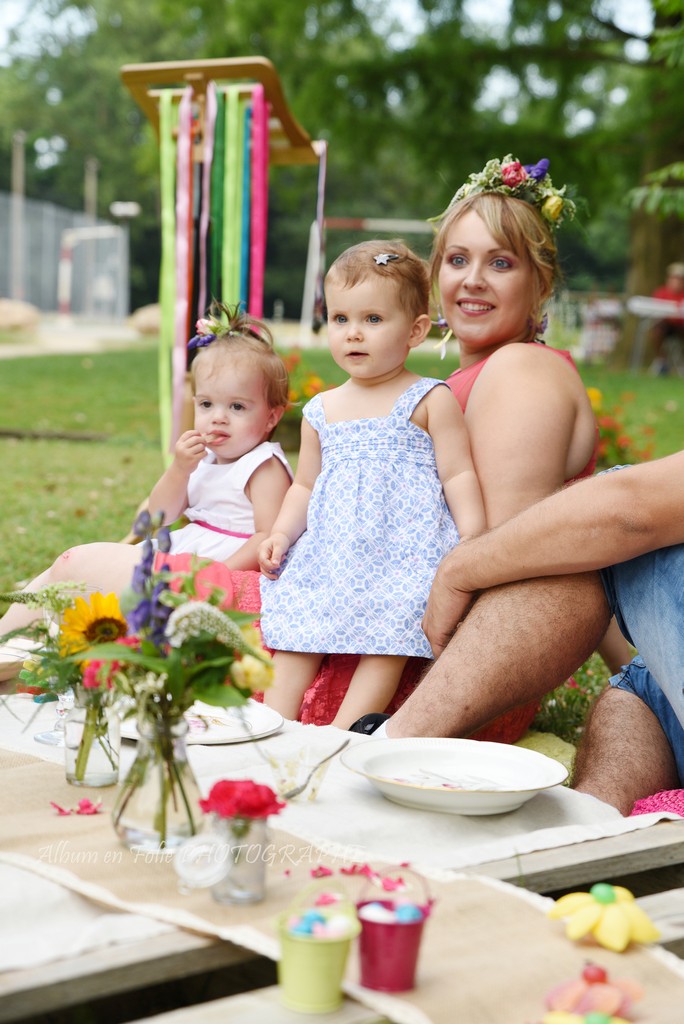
(384, 486)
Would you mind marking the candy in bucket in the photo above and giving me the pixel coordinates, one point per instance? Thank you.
(391, 930)
(315, 934)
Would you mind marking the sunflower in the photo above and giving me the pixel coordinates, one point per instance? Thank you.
(96, 621)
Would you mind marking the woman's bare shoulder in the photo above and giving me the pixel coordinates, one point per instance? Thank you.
(526, 362)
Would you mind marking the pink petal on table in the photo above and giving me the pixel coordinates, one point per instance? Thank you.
(62, 811)
(88, 807)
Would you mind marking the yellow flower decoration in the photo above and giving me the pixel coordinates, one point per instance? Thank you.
(596, 399)
(252, 673)
(610, 913)
(96, 621)
(552, 208)
(561, 1017)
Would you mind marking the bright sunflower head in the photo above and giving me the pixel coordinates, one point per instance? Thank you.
(96, 621)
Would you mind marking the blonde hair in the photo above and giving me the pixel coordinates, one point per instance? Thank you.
(517, 226)
(227, 331)
(408, 271)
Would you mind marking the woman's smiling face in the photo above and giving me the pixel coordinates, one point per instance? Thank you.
(485, 289)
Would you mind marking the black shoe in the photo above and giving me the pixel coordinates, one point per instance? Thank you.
(367, 724)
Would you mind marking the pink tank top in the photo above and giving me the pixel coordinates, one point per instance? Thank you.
(461, 384)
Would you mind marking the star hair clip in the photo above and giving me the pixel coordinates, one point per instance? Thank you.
(384, 258)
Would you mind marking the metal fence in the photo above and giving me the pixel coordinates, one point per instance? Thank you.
(59, 259)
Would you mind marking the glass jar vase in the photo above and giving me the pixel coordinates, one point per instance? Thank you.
(92, 741)
(158, 803)
(241, 845)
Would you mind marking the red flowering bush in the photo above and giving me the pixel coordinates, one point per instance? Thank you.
(616, 446)
(241, 798)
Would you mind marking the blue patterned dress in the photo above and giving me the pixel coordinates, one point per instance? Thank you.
(378, 525)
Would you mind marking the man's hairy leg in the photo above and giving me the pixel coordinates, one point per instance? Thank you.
(624, 755)
(518, 642)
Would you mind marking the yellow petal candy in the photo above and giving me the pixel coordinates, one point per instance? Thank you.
(613, 928)
(641, 927)
(568, 904)
(584, 920)
(561, 1017)
(623, 895)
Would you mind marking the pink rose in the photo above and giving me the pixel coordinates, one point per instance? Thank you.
(513, 174)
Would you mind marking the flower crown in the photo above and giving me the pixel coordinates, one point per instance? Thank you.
(529, 182)
(228, 322)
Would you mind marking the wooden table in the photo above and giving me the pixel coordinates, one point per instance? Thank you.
(649, 861)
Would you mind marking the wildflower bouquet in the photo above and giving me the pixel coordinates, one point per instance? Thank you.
(183, 644)
(72, 623)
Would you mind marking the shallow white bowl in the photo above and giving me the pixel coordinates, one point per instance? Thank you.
(454, 776)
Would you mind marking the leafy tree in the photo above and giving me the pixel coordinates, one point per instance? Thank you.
(408, 110)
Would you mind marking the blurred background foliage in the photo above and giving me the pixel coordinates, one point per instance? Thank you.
(411, 95)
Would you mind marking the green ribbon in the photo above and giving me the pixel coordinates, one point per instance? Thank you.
(232, 197)
(216, 223)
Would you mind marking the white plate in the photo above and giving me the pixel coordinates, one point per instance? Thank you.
(210, 725)
(454, 776)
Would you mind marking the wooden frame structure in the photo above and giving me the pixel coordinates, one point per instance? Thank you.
(288, 142)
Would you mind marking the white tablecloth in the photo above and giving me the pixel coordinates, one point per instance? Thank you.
(349, 819)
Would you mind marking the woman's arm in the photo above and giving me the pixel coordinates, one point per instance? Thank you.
(531, 428)
(445, 424)
(266, 489)
(291, 520)
(170, 494)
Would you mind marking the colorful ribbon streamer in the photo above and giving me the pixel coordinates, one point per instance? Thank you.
(232, 208)
(184, 227)
(259, 218)
(245, 213)
(216, 199)
(167, 283)
(210, 110)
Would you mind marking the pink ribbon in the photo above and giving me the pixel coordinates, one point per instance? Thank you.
(208, 156)
(259, 219)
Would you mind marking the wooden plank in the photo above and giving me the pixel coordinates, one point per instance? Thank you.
(115, 969)
(598, 860)
(264, 1005)
(666, 910)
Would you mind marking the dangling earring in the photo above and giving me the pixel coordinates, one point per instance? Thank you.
(446, 334)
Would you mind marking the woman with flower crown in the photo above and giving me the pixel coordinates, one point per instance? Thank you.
(530, 422)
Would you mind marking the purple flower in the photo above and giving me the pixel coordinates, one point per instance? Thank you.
(142, 524)
(139, 616)
(164, 539)
(538, 170)
(200, 341)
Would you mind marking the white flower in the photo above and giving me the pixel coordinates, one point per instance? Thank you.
(196, 617)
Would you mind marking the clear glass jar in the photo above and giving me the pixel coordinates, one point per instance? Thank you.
(158, 803)
(241, 845)
(92, 741)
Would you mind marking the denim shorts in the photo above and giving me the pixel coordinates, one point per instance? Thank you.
(635, 678)
(646, 596)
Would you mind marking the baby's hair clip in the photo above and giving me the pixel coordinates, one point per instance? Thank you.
(200, 341)
(384, 258)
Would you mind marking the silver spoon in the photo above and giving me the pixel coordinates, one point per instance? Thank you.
(291, 793)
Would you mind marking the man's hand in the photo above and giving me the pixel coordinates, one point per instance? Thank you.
(446, 607)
